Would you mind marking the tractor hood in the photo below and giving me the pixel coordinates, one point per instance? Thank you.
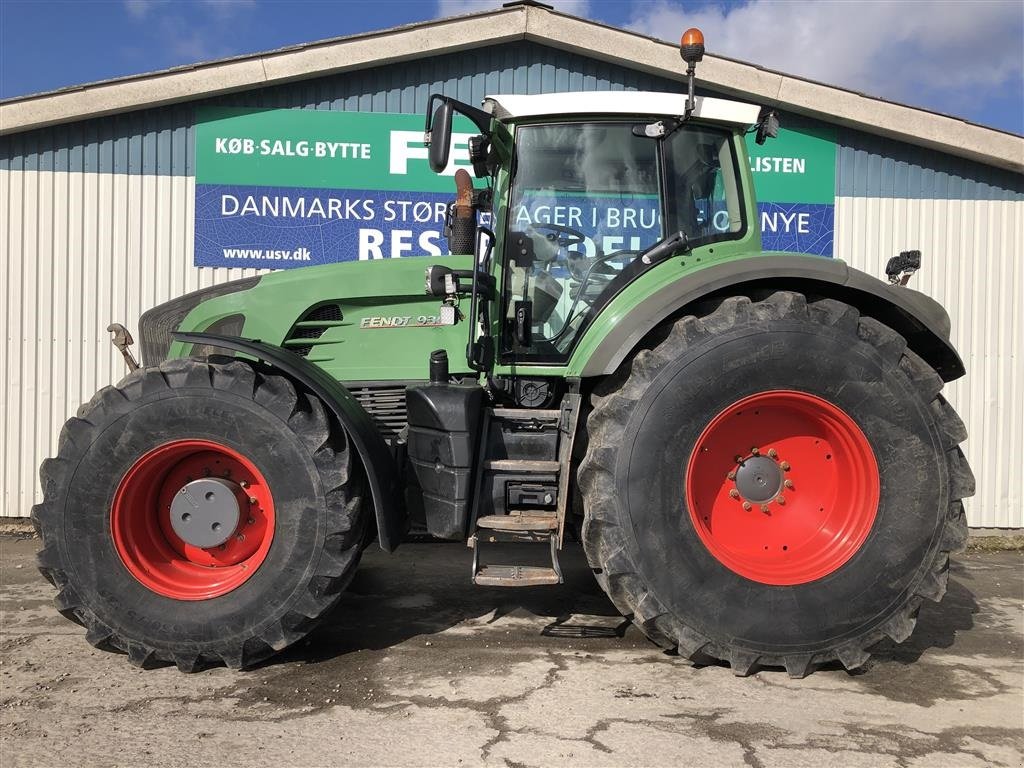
(360, 321)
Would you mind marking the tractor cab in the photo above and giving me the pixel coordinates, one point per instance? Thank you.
(592, 190)
(587, 192)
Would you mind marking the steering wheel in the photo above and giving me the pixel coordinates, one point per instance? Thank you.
(572, 236)
(566, 237)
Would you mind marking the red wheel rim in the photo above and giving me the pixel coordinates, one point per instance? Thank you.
(815, 466)
(144, 536)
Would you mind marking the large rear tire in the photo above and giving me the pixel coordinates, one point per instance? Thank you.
(773, 483)
(282, 523)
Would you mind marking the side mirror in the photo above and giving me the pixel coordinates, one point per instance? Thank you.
(440, 136)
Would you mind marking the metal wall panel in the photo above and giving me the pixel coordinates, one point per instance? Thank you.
(874, 166)
(967, 219)
(79, 250)
(971, 252)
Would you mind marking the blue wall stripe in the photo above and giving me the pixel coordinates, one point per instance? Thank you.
(162, 140)
(875, 166)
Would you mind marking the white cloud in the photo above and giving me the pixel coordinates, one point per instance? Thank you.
(186, 42)
(139, 8)
(226, 8)
(457, 7)
(888, 48)
(191, 32)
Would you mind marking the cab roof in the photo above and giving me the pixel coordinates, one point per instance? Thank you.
(514, 107)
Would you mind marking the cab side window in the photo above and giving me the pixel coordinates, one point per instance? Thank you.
(585, 201)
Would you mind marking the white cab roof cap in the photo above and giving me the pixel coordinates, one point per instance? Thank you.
(620, 103)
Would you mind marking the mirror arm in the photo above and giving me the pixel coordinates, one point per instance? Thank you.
(430, 113)
(481, 119)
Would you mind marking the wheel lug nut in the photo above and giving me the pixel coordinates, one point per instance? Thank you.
(731, 476)
(789, 484)
(755, 451)
(780, 499)
(252, 499)
(746, 506)
(241, 537)
(764, 507)
(772, 453)
(734, 493)
(244, 483)
(252, 520)
(785, 466)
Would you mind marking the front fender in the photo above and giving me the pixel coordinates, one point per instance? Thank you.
(381, 471)
(921, 320)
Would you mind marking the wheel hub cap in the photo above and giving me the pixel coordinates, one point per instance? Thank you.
(782, 487)
(192, 519)
(205, 512)
(759, 479)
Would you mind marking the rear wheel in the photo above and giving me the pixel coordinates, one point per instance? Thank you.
(200, 512)
(774, 483)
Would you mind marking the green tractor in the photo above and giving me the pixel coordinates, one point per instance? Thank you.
(752, 447)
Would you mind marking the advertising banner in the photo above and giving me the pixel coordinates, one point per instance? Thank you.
(291, 188)
(795, 179)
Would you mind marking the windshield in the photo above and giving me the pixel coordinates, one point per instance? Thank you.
(587, 200)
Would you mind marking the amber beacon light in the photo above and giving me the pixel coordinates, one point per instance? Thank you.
(691, 48)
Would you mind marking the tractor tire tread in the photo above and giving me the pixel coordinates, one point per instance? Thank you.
(334, 459)
(605, 542)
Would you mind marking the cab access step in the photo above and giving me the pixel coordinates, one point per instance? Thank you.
(524, 497)
(483, 473)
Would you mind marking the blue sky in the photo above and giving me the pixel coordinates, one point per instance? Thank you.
(962, 58)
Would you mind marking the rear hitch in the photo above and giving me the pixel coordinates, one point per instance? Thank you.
(122, 340)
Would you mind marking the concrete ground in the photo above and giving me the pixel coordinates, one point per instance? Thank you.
(419, 668)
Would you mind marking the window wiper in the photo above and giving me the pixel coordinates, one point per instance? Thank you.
(674, 243)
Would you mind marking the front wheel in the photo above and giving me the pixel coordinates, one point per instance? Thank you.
(199, 513)
(774, 483)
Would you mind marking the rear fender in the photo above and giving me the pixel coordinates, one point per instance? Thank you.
(919, 319)
(381, 470)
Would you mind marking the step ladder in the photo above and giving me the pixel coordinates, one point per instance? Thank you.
(524, 525)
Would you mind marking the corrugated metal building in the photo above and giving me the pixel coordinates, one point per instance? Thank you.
(97, 193)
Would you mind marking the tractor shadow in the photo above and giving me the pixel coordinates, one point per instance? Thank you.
(937, 623)
(424, 588)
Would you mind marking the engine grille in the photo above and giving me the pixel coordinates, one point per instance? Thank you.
(157, 325)
(386, 405)
(311, 326)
